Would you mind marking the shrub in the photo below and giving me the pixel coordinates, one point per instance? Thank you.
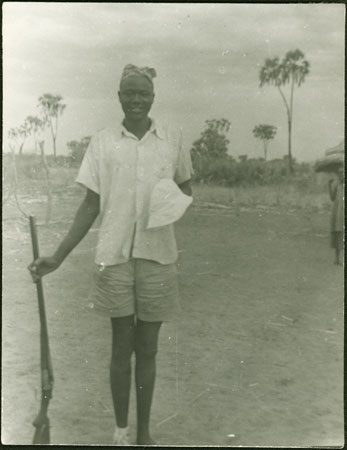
(77, 149)
(250, 172)
(30, 166)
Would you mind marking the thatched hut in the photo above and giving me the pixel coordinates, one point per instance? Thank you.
(333, 159)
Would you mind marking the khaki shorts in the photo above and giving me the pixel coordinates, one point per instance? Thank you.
(141, 287)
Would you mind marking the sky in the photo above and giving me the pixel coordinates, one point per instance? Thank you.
(207, 57)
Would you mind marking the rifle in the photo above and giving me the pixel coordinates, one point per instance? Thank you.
(41, 423)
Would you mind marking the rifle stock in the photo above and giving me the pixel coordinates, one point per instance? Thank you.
(41, 422)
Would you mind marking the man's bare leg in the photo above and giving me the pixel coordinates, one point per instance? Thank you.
(146, 345)
(123, 342)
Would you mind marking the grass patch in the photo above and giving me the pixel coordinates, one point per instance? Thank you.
(282, 195)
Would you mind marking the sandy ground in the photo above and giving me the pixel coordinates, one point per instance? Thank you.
(256, 358)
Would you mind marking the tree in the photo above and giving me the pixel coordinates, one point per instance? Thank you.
(35, 125)
(18, 137)
(48, 182)
(13, 137)
(52, 108)
(212, 142)
(265, 133)
(292, 69)
(23, 132)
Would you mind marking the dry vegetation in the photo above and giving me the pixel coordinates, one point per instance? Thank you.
(304, 191)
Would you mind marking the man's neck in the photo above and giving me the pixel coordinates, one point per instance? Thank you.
(138, 128)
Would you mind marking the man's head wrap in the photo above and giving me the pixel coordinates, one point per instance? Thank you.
(130, 70)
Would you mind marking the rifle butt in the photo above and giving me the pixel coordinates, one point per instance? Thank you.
(42, 434)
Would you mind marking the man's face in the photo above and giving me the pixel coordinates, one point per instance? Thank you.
(136, 97)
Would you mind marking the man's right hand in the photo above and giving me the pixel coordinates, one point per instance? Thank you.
(85, 216)
(42, 266)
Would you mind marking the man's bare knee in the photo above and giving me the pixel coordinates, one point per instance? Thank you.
(145, 351)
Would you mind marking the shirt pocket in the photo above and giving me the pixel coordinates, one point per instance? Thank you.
(163, 165)
(121, 161)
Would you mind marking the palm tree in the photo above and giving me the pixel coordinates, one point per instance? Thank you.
(265, 133)
(51, 108)
(292, 69)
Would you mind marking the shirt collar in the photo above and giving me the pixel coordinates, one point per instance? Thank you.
(154, 128)
(157, 128)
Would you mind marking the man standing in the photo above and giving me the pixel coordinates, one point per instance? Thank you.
(336, 191)
(135, 280)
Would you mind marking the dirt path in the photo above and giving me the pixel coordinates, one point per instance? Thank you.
(257, 353)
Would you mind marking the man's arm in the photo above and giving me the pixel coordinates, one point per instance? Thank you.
(186, 188)
(84, 219)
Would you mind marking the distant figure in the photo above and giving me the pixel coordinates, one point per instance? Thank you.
(336, 190)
